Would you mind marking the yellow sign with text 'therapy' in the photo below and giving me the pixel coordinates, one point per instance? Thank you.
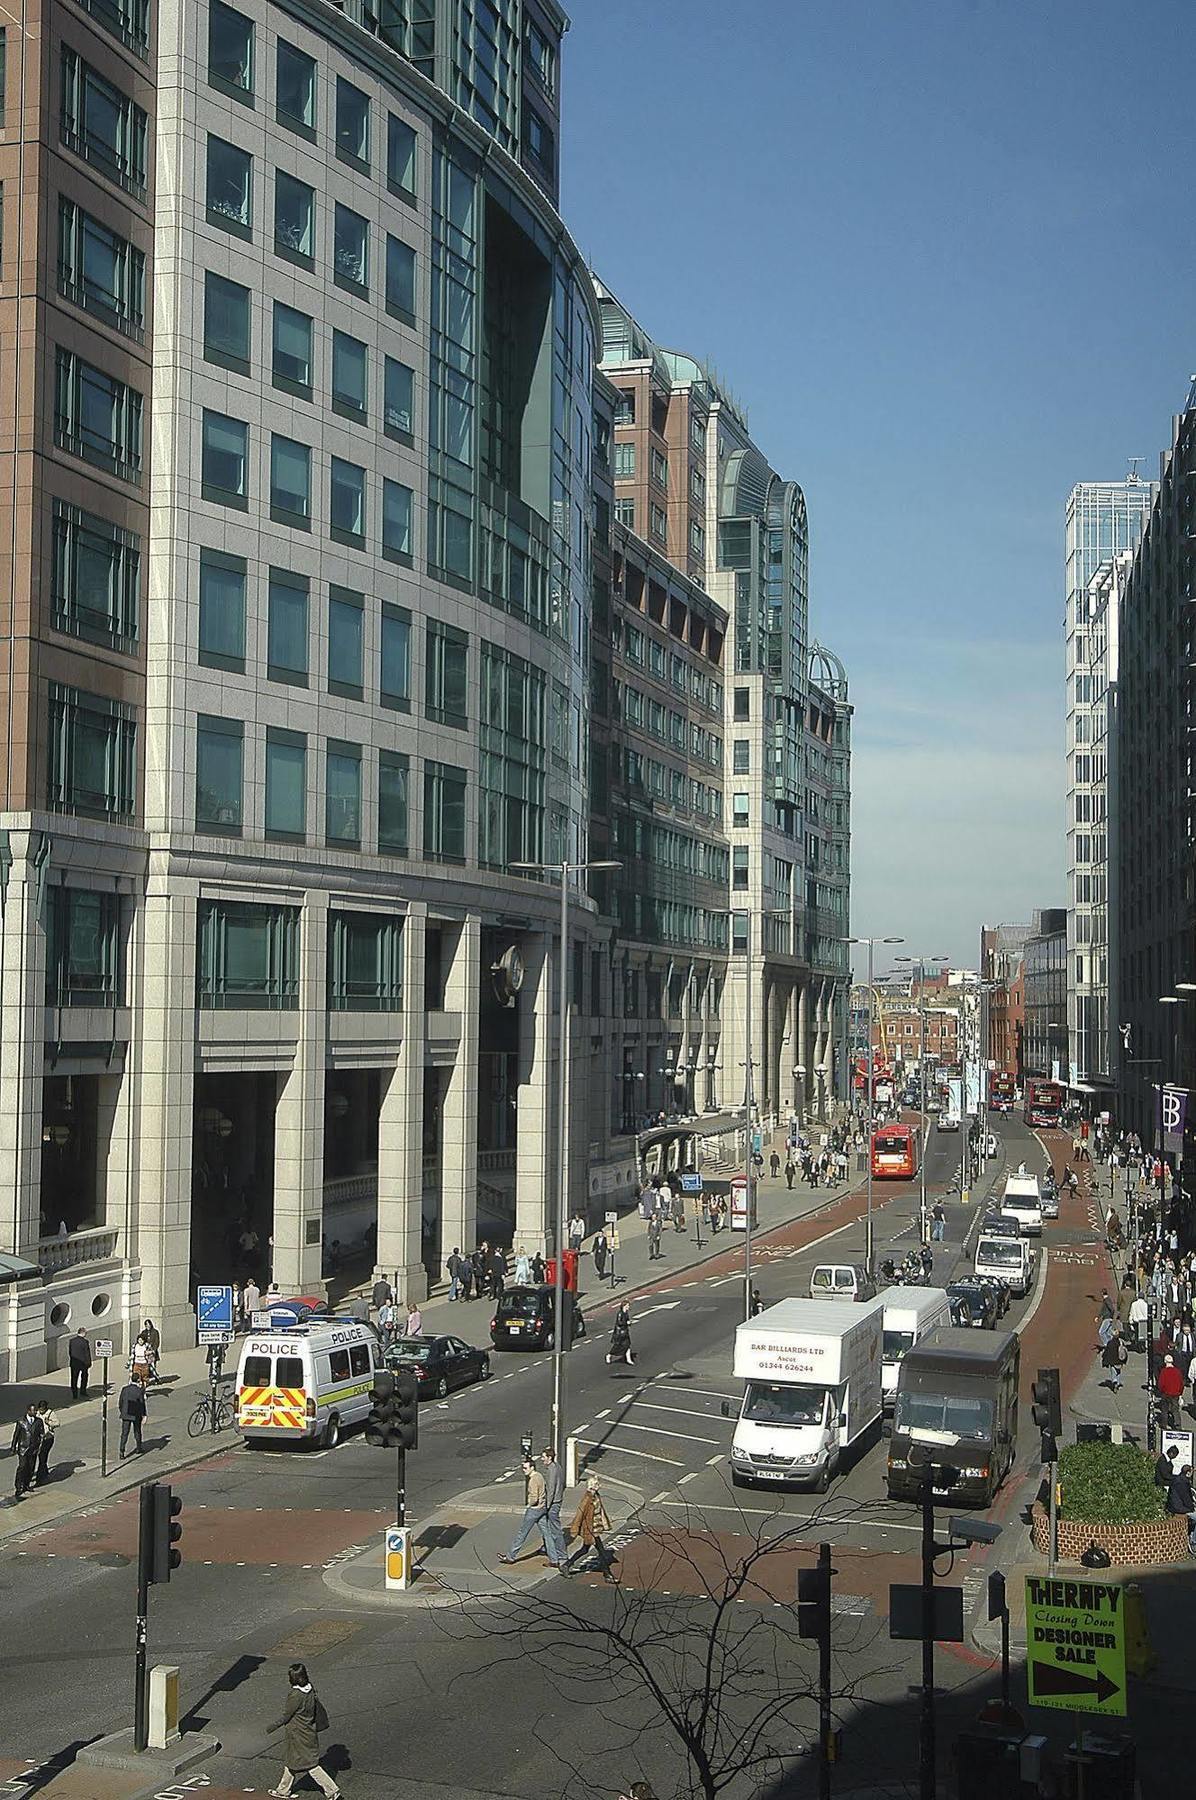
(1075, 1645)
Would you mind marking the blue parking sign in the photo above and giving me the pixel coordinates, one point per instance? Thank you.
(691, 1182)
(214, 1309)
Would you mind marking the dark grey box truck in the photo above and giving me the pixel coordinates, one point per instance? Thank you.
(956, 1409)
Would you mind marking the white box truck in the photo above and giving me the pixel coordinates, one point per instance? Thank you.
(812, 1389)
(910, 1314)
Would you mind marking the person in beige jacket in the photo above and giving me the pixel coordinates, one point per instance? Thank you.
(535, 1513)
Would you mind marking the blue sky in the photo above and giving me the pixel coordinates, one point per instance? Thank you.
(943, 251)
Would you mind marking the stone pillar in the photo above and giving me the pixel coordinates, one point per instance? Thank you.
(400, 1130)
(162, 1070)
(535, 1142)
(459, 1161)
(297, 1260)
(22, 1045)
(804, 1083)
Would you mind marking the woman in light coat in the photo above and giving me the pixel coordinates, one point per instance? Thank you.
(302, 1719)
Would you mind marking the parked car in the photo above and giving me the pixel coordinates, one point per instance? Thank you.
(981, 1302)
(961, 1312)
(1000, 1291)
(438, 1363)
(523, 1318)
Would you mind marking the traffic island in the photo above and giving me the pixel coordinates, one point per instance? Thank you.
(1108, 1497)
(1147, 1544)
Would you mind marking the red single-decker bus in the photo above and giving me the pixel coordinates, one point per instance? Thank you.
(1043, 1103)
(895, 1152)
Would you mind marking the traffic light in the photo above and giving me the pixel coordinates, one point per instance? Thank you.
(814, 1603)
(996, 1595)
(406, 1413)
(1048, 1412)
(166, 1532)
(380, 1421)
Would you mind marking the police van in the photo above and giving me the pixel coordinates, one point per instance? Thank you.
(306, 1382)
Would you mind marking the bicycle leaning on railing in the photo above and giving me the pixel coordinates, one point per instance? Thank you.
(213, 1412)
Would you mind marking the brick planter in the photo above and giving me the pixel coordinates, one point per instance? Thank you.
(1128, 1546)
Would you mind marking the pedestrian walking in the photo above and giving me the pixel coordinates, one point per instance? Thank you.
(774, 1163)
(49, 1432)
(141, 1363)
(1112, 1357)
(537, 1269)
(620, 1337)
(79, 1357)
(654, 1250)
(132, 1409)
(577, 1231)
(523, 1269)
(303, 1719)
(757, 1304)
(498, 1272)
(601, 1249)
(414, 1322)
(381, 1293)
(26, 1442)
(790, 1172)
(152, 1336)
(465, 1278)
(589, 1522)
(554, 1494)
(251, 1301)
(1139, 1314)
(534, 1514)
(452, 1269)
(1171, 1386)
(938, 1222)
(387, 1323)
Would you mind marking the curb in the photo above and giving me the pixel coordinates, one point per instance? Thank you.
(115, 1486)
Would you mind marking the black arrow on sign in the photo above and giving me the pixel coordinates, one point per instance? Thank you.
(1057, 1678)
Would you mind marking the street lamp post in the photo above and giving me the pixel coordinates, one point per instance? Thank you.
(871, 942)
(559, 1344)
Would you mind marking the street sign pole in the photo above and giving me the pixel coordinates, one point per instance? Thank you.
(104, 1425)
(824, 1681)
(140, 1694)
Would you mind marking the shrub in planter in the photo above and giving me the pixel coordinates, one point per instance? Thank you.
(1109, 1484)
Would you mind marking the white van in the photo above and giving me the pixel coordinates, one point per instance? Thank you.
(1010, 1259)
(841, 1281)
(911, 1313)
(1022, 1199)
(306, 1382)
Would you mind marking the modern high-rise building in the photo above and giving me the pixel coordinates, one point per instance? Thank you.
(692, 485)
(1156, 786)
(1044, 1044)
(297, 646)
(1103, 525)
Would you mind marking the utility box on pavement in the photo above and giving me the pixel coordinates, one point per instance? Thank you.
(399, 1573)
(163, 1707)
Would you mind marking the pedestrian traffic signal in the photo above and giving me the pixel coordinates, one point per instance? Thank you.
(166, 1533)
(381, 1419)
(814, 1603)
(996, 1595)
(407, 1413)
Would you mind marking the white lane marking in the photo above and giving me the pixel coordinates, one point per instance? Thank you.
(625, 1450)
(757, 1512)
(692, 1476)
(682, 1412)
(657, 1498)
(672, 1387)
(661, 1306)
(689, 1437)
(713, 1461)
(604, 1414)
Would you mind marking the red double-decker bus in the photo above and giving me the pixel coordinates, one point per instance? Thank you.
(1043, 1103)
(895, 1152)
(1001, 1091)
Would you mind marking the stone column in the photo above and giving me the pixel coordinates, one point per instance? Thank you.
(22, 1044)
(459, 1161)
(804, 1056)
(297, 1261)
(400, 1129)
(535, 1142)
(162, 1071)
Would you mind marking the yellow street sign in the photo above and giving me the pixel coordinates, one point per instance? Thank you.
(1075, 1645)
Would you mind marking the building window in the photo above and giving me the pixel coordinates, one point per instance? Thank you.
(741, 703)
(660, 469)
(342, 794)
(398, 400)
(286, 785)
(230, 187)
(392, 803)
(400, 279)
(225, 460)
(697, 487)
(447, 674)
(349, 376)
(290, 482)
(657, 524)
(625, 407)
(286, 628)
(100, 271)
(352, 124)
(739, 810)
(351, 250)
(97, 417)
(222, 610)
(697, 538)
(444, 813)
(225, 323)
(127, 20)
(248, 956)
(396, 521)
(295, 88)
(291, 368)
(739, 933)
(219, 772)
(83, 948)
(230, 50)
(102, 125)
(96, 578)
(395, 658)
(625, 513)
(365, 962)
(92, 755)
(739, 866)
(400, 157)
(741, 756)
(539, 143)
(624, 461)
(346, 502)
(294, 220)
(345, 633)
(697, 432)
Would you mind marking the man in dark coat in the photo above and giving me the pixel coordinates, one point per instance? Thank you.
(601, 1249)
(79, 1356)
(26, 1442)
(132, 1410)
